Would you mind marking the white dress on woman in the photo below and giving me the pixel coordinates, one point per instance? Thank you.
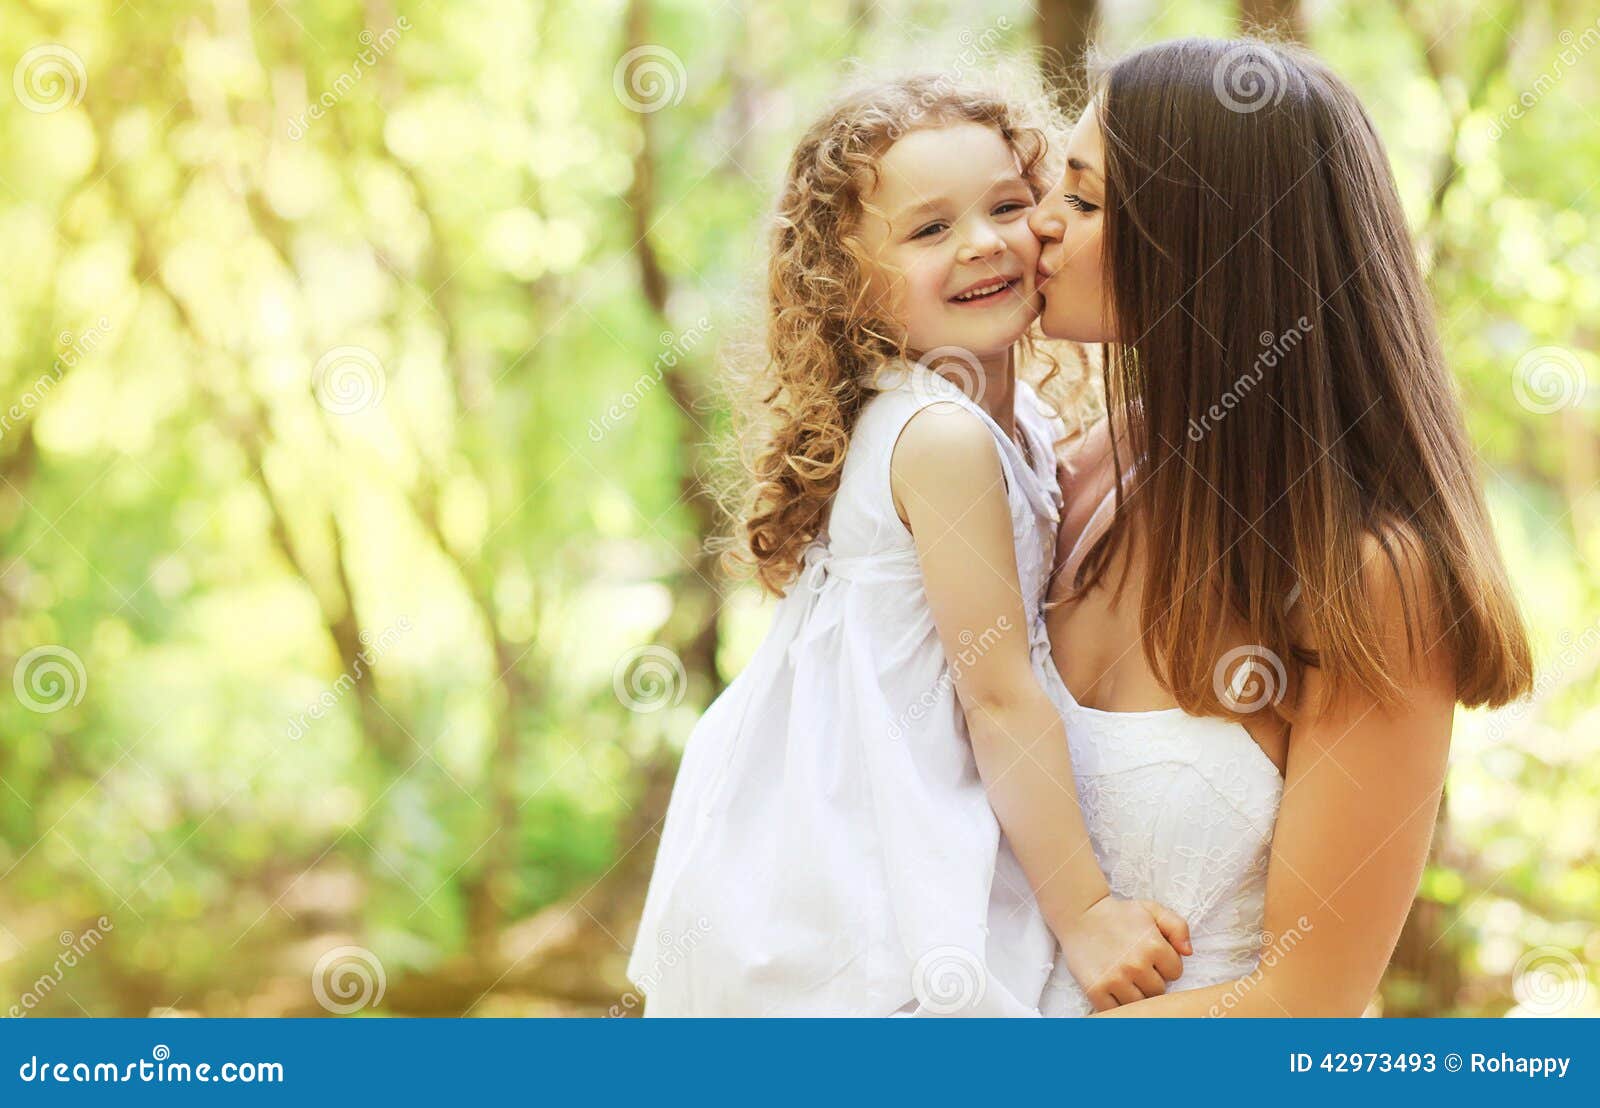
(829, 848)
(1180, 809)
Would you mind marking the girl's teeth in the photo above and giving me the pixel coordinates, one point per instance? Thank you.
(983, 291)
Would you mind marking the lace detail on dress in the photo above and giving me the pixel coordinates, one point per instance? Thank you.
(1180, 809)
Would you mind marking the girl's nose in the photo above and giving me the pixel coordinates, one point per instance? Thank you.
(982, 243)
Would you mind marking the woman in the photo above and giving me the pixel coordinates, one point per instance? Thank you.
(1276, 556)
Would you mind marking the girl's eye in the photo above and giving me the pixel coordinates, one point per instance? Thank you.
(1079, 204)
(1011, 206)
(930, 229)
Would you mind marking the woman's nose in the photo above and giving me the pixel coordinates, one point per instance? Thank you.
(1045, 222)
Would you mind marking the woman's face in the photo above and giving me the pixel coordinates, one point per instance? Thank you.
(1069, 222)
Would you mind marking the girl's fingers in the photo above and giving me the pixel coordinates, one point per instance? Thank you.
(1172, 925)
(1149, 982)
(1167, 963)
(1125, 992)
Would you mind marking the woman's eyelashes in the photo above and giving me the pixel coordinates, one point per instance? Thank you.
(1079, 204)
(1009, 207)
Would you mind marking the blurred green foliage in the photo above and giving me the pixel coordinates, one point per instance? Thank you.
(343, 474)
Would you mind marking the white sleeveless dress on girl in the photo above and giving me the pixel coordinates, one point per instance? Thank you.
(829, 849)
(1180, 810)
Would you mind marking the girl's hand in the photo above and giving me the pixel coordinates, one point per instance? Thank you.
(1122, 951)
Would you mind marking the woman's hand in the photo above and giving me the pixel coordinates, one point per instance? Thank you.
(1123, 951)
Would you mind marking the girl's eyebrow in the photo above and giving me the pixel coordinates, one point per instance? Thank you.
(938, 202)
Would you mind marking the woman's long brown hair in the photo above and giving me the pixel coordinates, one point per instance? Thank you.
(1280, 387)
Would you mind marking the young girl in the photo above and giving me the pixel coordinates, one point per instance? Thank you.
(834, 842)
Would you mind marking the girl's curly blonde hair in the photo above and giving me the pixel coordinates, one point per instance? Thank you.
(825, 341)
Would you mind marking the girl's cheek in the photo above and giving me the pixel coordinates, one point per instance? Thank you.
(929, 280)
(1026, 246)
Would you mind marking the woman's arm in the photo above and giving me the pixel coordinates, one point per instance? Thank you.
(1359, 805)
(949, 486)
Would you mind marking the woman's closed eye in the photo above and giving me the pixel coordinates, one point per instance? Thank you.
(1079, 204)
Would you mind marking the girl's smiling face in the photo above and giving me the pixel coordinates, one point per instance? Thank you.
(947, 224)
(1070, 222)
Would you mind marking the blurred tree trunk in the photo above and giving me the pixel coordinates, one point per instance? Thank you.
(693, 626)
(1066, 30)
(1279, 18)
(1424, 974)
(692, 630)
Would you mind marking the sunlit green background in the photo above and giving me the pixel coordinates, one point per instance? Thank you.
(358, 367)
